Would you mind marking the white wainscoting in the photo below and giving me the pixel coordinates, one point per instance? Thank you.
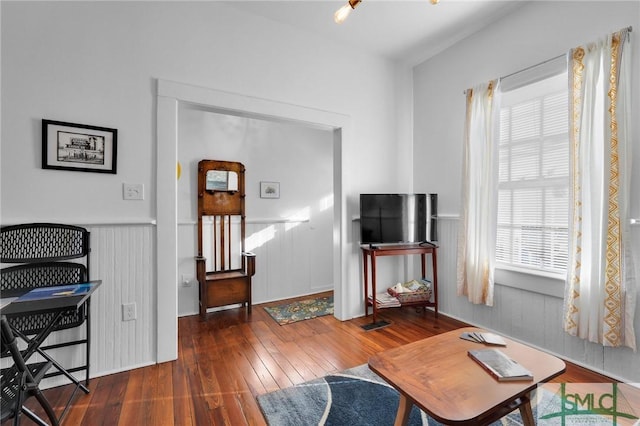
(530, 317)
(123, 257)
(293, 258)
(289, 261)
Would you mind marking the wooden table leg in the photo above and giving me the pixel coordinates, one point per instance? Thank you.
(404, 409)
(527, 414)
(365, 264)
(434, 285)
(373, 286)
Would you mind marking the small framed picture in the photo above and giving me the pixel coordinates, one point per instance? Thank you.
(269, 189)
(78, 147)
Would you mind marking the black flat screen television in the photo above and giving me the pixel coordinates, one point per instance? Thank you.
(398, 218)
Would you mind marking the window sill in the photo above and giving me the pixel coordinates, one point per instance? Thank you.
(529, 282)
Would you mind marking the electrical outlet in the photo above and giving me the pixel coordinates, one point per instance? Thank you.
(133, 191)
(128, 311)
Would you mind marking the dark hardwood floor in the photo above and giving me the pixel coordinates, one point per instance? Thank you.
(229, 359)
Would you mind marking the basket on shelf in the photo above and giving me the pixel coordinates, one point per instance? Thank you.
(412, 291)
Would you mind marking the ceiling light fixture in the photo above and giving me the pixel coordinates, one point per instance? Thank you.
(342, 13)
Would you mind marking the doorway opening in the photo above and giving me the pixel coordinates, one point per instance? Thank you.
(170, 96)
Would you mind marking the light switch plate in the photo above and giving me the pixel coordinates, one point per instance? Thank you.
(129, 312)
(133, 191)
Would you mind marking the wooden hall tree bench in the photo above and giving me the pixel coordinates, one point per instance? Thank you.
(223, 267)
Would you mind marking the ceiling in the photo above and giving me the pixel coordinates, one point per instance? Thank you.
(410, 31)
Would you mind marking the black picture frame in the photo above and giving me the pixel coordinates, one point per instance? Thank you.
(79, 147)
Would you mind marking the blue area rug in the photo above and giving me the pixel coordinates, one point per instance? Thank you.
(301, 310)
(353, 397)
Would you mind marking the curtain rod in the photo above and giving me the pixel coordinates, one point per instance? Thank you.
(629, 29)
(532, 66)
(526, 69)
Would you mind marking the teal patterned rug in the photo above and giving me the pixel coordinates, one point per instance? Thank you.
(301, 310)
(354, 397)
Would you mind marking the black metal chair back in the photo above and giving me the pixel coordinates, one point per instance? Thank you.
(41, 255)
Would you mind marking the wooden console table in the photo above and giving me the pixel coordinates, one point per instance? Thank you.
(398, 250)
(438, 376)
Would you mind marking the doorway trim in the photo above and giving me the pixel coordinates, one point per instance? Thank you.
(169, 96)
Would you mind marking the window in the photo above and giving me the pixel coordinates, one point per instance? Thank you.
(533, 188)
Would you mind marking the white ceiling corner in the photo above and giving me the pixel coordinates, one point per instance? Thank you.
(408, 31)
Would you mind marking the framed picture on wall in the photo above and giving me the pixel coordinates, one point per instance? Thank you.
(269, 189)
(78, 147)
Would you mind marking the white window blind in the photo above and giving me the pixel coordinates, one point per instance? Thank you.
(533, 190)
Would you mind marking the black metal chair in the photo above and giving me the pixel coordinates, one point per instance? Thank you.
(41, 253)
(20, 382)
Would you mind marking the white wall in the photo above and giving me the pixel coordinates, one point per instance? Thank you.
(95, 63)
(536, 32)
(98, 62)
(300, 158)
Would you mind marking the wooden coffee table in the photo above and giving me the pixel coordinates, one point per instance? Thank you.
(438, 376)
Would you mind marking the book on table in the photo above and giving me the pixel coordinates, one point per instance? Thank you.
(483, 337)
(52, 298)
(64, 290)
(499, 365)
(384, 300)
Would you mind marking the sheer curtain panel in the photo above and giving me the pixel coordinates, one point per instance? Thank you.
(600, 292)
(477, 234)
